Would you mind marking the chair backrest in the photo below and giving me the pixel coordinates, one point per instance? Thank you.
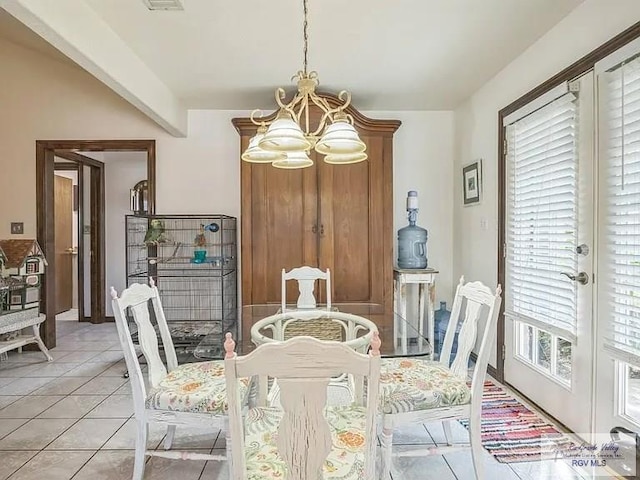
(303, 367)
(137, 299)
(473, 302)
(306, 277)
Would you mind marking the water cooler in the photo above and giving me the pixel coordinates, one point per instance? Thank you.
(412, 240)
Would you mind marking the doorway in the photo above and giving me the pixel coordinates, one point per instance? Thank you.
(90, 252)
(67, 183)
(549, 256)
(569, 241)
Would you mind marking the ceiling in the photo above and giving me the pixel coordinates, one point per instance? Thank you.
(14, 31)
(392, 55)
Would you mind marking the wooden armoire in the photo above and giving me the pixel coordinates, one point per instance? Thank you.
(330, 216)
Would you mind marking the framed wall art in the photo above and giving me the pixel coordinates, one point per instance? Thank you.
(472, 182)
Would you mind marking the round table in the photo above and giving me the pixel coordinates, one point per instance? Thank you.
(352, 330)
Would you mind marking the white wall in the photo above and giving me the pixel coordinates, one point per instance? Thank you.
(476, 129)
(122, 171)
(423, 161)
(43, 98)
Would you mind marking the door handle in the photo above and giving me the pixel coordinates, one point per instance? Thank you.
(314, 229)
(582, 278)
(321, 229)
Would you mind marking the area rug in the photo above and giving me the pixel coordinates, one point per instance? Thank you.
(513, 433)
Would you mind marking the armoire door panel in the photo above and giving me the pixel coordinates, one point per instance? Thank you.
(345, 243)
(284, 212)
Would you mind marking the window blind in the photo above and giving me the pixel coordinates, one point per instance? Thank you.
(621, 217)
(542, 217)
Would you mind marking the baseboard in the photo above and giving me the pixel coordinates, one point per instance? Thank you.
(104, 319)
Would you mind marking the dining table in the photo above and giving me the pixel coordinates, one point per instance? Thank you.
(257, 324)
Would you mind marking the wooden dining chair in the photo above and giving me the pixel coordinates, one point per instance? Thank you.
(306, 278)
(189, 395)
(414, 390)
(304, 439)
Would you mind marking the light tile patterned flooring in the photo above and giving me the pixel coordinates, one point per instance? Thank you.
(71, 419)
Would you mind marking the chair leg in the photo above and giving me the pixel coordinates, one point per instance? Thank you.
(168, 440)
(227, 437)
(476, 447)
(387, 446)
(446, 426)
(141, 447)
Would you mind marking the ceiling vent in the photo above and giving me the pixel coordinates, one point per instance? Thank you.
(163, 4)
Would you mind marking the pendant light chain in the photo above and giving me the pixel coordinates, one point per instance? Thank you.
(306, 35)
(286, 139)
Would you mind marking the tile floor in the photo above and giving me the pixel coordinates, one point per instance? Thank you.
(71, 419)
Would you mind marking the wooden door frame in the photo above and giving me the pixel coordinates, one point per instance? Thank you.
(46, 151)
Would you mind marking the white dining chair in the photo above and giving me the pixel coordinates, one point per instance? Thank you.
(414, 390)
(306, 278)
(189, 395)
(305, 438)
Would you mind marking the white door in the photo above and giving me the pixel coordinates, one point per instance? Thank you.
(618, 296)
(549, 252)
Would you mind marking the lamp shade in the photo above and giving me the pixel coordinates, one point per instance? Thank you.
(255, 154)
(345, 158)
(284, 135)
(294, 160)
(340, 138)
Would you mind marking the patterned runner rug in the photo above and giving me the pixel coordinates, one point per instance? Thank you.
(513, 433)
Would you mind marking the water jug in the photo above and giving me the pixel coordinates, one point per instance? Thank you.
(412, 240)
(442, 316)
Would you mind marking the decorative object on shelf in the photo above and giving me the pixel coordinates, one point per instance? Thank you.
(22, 263)
(472, 182)
(412, 240)
(155, 233)
(140, 197)
(286, 140)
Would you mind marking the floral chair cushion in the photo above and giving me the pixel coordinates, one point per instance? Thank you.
(193, 387)
(408, 385)
(344, 462)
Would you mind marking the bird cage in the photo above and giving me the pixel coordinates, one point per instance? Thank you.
(193, 260)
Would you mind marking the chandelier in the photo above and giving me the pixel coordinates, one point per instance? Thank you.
(286, 141)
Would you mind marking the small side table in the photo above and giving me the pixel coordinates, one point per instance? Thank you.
(16, 321)
(426, 281)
